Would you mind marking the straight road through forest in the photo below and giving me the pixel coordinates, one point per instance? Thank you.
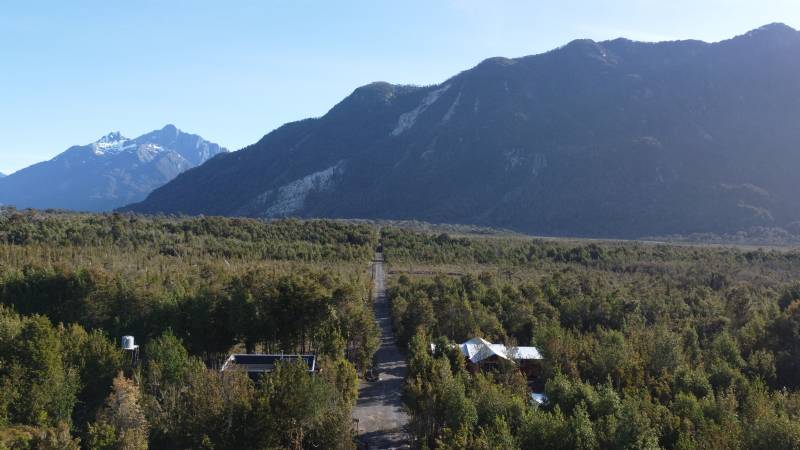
(379, 411)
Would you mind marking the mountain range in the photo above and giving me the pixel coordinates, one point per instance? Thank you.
(108, 173)
(603, 139)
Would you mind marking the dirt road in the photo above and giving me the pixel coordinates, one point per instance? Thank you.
(381, 419)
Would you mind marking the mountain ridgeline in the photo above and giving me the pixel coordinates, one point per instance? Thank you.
(111, 172)
(604, 139)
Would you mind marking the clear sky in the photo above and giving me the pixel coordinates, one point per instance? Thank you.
(231, 71)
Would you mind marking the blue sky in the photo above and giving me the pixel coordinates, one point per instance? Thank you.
(72, 71)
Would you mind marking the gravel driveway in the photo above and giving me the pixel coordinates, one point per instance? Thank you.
(380, 414)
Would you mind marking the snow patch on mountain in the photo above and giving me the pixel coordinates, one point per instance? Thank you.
(148, 152)
(113, 142)
(291, 197)
(111, 139)
(408, 119)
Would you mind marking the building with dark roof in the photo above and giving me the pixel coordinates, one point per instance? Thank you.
(257, 364)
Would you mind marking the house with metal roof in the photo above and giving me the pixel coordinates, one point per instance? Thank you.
(483, 355)
(257, 364)
(477, 350)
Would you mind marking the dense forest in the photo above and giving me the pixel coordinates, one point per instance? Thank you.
(645, 346)
(190, 290)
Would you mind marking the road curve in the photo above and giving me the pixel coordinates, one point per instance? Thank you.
(379, 411)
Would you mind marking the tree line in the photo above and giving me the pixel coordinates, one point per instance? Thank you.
(312, 240)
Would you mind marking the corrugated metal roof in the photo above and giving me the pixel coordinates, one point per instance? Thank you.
(525, 353)
(478, 349)
(539, 398)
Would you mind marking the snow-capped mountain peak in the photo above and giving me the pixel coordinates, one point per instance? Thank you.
(111, 139)
(108, 173)
(112, 142)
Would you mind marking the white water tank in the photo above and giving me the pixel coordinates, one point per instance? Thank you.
(127, 343)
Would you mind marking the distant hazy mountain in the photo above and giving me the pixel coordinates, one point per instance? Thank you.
(616, 139)
(2, 175)
(109, 173)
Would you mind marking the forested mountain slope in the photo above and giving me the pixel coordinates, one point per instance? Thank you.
(611, 139)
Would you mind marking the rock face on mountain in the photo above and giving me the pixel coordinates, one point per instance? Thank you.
(604, 139)
(109, 173)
